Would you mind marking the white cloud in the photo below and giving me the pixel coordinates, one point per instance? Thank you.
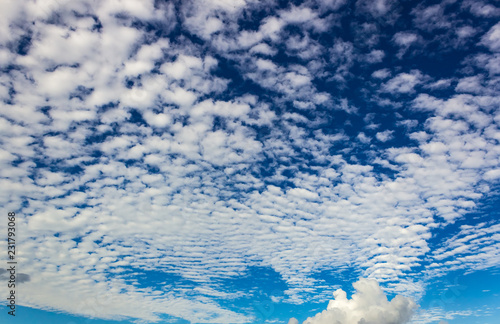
(470, 84)
(207, 17)
(363, 138)
(481, 9)
(303, 47)
(157, 120)
(492, 38)
(403, 82)
(155, 146)
(439, 84)
(270, 28)
(466, 31)
(342, 56)
(376, 8)
(293, 82)
(367, 305)
(381, 74)
(492, 174)
(307, 17)
(439, 315)
(263, 48)
(405, 39)
(432, 18)
(332, 4)
(375, 56)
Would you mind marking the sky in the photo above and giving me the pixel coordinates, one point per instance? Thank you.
(244, 161)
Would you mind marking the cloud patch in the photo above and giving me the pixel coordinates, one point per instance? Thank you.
(368, 305)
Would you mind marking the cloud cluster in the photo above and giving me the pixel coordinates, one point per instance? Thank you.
(367, 305)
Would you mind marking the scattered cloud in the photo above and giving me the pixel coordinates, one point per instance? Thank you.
(492, 38)
(403, 82)
(203, 139)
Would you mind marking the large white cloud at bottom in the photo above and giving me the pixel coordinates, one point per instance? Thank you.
(369, 305)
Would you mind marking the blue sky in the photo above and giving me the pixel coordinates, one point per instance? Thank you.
(243, 161)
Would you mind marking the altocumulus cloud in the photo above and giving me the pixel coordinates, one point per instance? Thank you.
(158, 152)
(369, 305)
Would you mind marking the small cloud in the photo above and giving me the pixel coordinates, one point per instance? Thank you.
(470, 84)
(430, 18)
(363, 138)
(403, 82)
(263, 48)
(465, 32)
(439, 84)
(384, 136)
(20, 277)
(405, 38)
(492, 38)
(377, 8)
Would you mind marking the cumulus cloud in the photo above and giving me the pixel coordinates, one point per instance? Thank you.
(202, 138)
(367, 305)
(492, 38)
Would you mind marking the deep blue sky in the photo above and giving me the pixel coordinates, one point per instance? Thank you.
(244, 161)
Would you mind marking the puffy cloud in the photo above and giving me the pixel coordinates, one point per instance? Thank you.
(367, 305)
(384, 136)
(20, 277)
(228, 146)
(294, 82)
(439, 315)
(375, 56)
(431, 18)
(381, 74)
(470, 84)
(404, 40)
(465, 32)
(492, 38)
